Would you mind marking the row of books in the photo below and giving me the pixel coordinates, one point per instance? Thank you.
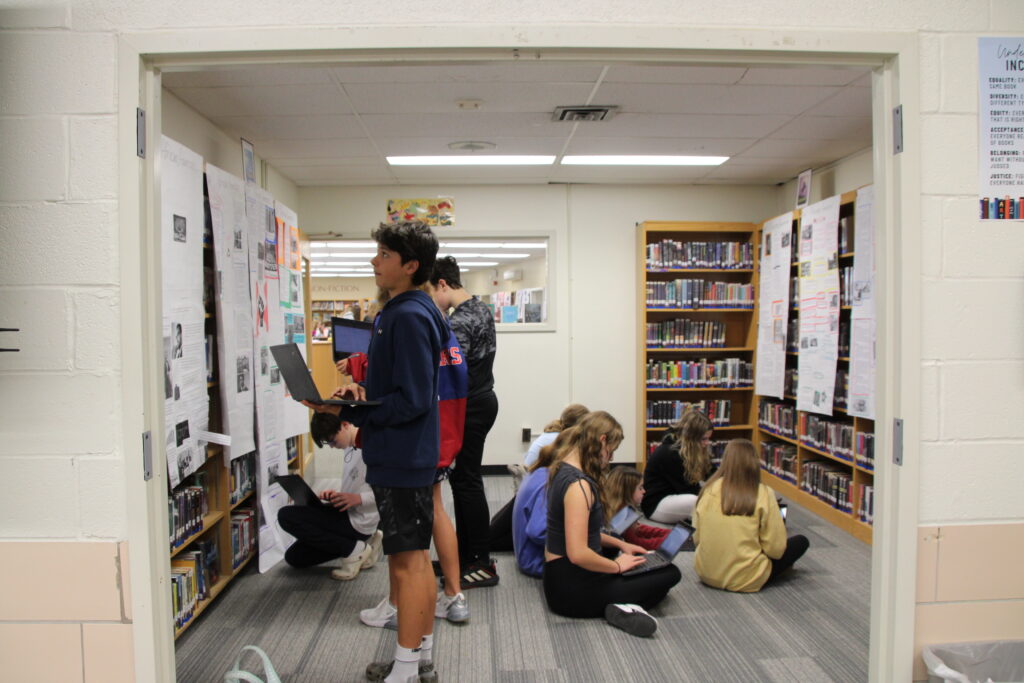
(846, 286)
(684, 333)
(840, 397)
(777, 417)
(717, 449)
(243, 476)
(779, 459)
(864, 450)
(243, 535)
(184, 595)
(327, 305)
(723, 373)
(1009, 208)
(866, 506)
(696, 293)
(827, 435)
(666, 413)
(674, 254)
(829, 482)
(186, 508)
(791, 382)
(193, 575)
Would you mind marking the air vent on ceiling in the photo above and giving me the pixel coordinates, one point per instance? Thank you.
(585, 113)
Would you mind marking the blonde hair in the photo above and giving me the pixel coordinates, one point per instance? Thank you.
(686, 436)
(571, 414)
(585, 438)
(740, 474)
(620, 485)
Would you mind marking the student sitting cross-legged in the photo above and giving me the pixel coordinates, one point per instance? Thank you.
(348, 528)
(676, 468)
(578, 580)
(625, 486)
(741, 538)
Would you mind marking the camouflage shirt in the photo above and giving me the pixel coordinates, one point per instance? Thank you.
(473, 324)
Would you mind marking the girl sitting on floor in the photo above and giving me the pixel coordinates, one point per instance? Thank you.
(578, 580)
(741, 538)
(625, 487)
(676, 468)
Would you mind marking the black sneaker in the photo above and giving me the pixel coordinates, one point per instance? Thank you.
(480, 576)
(632, 619)
(378, 671)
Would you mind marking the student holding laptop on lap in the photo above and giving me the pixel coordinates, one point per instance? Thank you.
(578, 580)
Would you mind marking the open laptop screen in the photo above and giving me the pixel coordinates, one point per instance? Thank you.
(350, 336)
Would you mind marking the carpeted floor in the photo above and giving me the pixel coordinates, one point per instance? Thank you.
(811, 626)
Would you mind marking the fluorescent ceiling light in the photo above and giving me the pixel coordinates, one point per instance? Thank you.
(478, 264)
(641, 160)
(475, 160)
(524, 245)
(503, 255)
(440, 255)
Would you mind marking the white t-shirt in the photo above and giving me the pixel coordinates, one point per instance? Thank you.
(538, 443)
(364, 517)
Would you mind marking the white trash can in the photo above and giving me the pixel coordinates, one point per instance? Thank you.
(999, 661)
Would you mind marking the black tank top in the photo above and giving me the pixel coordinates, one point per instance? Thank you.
(567, 476)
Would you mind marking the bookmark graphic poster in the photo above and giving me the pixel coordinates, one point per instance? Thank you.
(186, 404)
(863, 331)
(435, 212)
(776, 251)
(1001, 128)
(234, 309)
(819, 306)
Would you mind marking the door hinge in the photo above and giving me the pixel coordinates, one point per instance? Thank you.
(897, 441)
(140, 132)
(147, 456)
(897, 129)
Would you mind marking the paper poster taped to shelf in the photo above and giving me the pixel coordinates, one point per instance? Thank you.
(776, 257)
(819, 306)
(1001, 128)
(861, 402)
(435, 212)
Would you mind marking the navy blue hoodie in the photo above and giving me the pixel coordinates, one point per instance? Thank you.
(401, 436)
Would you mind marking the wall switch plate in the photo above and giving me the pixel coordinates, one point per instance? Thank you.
(526, 435)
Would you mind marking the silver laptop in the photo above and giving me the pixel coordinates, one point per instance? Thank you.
(669, 548)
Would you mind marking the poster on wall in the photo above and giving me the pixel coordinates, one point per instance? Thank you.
(186, 404)
(776, 256)
(819, 306)
(435, 212)
(1001, 128)
(863, 331)
(234, 309)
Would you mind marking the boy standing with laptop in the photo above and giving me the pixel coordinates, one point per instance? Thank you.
(401, 435)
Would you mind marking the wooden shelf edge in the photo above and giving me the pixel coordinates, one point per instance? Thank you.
(699, 310)
(656, 271)
(779, 436)
(209, 521)
(697, 349)
(242, 499)
(847, 522)
(666, 389)
(215, 590)
(826, 454)
(715, 428)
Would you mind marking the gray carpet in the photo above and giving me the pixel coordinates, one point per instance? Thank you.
(811, 626)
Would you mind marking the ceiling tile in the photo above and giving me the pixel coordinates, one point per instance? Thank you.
(270, 74)
(382, 98)
(628, 174)
(812, 152)
(338, 175)
(646, 98)
(672, 73)
(483, 72)
(684, 125)
(637, 145)
(826, 128)
(850, 101)
(504, 145)
(802, 75)
(473, 125)
(269, 100)
(375, 162)
(315, 149)
(317, 127)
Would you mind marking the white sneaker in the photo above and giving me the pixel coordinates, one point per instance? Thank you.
(351, 565)
(374, 542)
(453, 608)
(384, 615)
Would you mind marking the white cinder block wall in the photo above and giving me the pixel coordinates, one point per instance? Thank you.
(60, 463)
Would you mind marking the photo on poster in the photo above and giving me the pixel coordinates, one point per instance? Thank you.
(180, 433)
(243, 372)
(179, 228)
(264, 361)
(238, 239)
(785, 240)
(293, 279)
(184, 463)
(833, 261)
(168, 381)
(275, 375)
(177, 350)
(768, 245)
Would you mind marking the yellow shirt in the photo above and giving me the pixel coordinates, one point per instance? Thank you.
(733, 550)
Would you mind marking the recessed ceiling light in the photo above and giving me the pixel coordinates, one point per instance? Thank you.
(641, 160)
(475, 160)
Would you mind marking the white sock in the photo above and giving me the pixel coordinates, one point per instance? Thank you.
(406, 666)
(426, 649)
(359, 547)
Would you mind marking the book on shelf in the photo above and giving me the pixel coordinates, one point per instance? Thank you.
(186, 508)
(673, 254)
(791, 382)
(667, 413)
(846, 286)
(828, 435)
(864, 450)
(844, 338)
(291, 445)
(698, 293)
(840, 395)
(828, 481)
(243, 535)
(866, 507)
(683, 333)
(793, 335)
(183, 594)
(778, 418)
(725, 373)
(845, 230)
(243, 476)
(780, 459)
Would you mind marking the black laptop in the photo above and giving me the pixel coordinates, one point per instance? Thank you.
(669, 548)
(623, 519)
(350, 336)
(298, 490)
(300, 383)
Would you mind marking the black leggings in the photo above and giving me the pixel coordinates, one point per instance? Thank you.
(321, 534)
(796, 546)
(572, 591)
(472, 516)
(501, 529)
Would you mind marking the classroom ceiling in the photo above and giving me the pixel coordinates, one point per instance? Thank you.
(334, 125)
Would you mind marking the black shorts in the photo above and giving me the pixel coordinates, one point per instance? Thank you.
(406, 517)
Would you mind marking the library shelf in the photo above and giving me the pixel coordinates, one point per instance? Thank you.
(699, 270)
(243, 499)
(672, 389)
(716, 428)
(702, 349)
(844, 520)
(210, 520)
(780, 437)
(658, 309)
(215, 590)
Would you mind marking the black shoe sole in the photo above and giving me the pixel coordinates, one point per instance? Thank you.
(637, 624)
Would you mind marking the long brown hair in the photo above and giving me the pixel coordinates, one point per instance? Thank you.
(740, 473)
(585, 439)
(550, 453)
(571, 414)
(685, 436)
(620, 485)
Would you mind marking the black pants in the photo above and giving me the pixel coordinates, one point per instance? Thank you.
(575, 592)
(321, 534)
(796, 546)
(501, 529)
(472, 516)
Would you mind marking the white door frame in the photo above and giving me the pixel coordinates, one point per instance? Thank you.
(893, 55)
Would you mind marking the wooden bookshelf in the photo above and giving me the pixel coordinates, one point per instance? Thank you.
(740, 326)
(806, 452)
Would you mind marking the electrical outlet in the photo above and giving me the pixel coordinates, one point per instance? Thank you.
(526, 435)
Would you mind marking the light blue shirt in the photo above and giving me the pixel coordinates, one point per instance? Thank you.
(539, 443)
